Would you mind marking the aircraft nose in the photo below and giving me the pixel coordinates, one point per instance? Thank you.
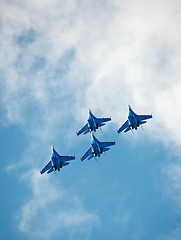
(52, 147)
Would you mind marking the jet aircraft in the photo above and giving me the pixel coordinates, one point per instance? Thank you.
(134, 121)
(93, 124)
(97, 148)
(56, 162)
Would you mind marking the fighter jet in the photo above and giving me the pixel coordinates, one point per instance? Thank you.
(93, 124)
(134, 121)
(56, 162)
(97, 148)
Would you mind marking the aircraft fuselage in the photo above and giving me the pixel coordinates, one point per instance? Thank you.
(92, 124)
(132, 120)
(56, 164)
(96, 150)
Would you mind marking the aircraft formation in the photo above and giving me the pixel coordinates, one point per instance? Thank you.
(96, 148)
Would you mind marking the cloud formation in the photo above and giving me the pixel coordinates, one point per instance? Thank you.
(68, 57)
(41, 219)
(59, 58)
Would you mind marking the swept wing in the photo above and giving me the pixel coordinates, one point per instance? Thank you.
(46, 168)
(143, 117)
(102, 120)
(106, 144)
(125, 127)
(84, 130)
(87, 154)
(66, 158)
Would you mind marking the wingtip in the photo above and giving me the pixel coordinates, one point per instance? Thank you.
(78, 133)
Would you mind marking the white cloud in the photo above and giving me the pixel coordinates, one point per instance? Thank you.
(59, 58)
(40, 218)
(122, 54)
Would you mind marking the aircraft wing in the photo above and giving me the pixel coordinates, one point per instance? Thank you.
(84, 129)
(106, 144)
(46, 168)
(87, 154)
(102, 120)
(143, 117)
(66, 158)
(123, 127)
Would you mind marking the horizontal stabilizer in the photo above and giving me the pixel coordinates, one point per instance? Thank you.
(65, 164)
(102, 124)
(51, 170)
(86, 131)
(91, 156)
(128, 129)
(142, 122)
(105, 149)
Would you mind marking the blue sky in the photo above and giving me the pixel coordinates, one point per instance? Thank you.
(58, 60)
